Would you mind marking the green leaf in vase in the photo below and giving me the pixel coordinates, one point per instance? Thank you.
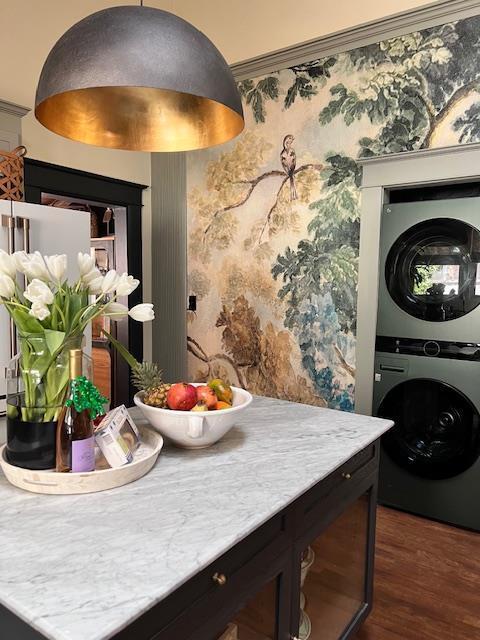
(24, 321)
(54, 340)
(77, 304)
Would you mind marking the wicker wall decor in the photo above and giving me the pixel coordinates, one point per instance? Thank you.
(11, 174)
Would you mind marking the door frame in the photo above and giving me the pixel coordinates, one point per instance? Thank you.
(51, 178)
(380, 175)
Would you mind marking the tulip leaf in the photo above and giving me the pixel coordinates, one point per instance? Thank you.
(54, 340)
(122, 350)
(24, 322)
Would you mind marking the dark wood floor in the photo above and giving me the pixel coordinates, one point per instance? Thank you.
(427, 583)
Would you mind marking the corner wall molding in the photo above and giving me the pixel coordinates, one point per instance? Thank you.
(368, 33)
(13, 109)
(419, 153)
(454, 164)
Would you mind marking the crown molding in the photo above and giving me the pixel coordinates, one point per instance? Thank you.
(420, 154)
(13, 109)
(367, 33)
(459, 163)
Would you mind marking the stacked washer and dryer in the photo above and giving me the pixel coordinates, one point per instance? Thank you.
(427, 360)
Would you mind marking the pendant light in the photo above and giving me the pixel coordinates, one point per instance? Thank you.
(138, 78)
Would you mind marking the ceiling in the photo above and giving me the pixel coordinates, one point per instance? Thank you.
(241, 29)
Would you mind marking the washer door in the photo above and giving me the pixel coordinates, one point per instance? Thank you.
(436, 432)
(432, 271)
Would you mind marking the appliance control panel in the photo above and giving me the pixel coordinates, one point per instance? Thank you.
(428, 348)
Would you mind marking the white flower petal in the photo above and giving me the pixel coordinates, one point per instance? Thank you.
(110, 281)
(39, 310)
(126, 285)
(7, 264)
(91, 275)
(142, 312)
(21, 260)
(35, 267)
(7, 286)
(86, 263)
(38, 291)
(95, 285)
(57, 266)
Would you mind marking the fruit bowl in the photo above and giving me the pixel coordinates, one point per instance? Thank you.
(192, 430)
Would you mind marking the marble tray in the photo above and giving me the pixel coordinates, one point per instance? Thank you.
(99, 480)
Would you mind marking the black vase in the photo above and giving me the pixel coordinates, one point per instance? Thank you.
(31, 445)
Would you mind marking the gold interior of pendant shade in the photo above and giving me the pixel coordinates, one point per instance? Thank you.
(139, 118)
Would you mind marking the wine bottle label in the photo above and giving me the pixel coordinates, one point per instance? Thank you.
(83, 455)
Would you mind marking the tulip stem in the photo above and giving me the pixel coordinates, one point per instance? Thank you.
(57, 307)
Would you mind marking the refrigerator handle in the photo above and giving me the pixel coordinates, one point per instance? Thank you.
(9, 223)
(24, 225)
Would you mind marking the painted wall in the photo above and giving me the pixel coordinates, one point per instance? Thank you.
(274, 215)
(242, 29)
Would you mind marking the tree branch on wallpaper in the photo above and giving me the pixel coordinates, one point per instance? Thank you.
(262, 352)
(421, 81)
(460, 94)
(252, 184)
(348, 367)
(272, 209)
(196, 350)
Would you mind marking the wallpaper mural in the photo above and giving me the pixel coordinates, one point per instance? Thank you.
(274, 215)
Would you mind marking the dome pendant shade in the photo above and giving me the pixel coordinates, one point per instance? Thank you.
(141, 79)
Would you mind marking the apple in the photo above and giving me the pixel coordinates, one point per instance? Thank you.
(207, 396)
(181, 397)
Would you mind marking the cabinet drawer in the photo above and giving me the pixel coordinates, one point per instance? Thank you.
(216, 588)
(221, 588)
(353, 472)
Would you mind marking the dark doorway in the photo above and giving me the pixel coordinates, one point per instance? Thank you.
(55, 185)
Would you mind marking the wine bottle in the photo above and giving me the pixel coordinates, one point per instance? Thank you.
(75, 440)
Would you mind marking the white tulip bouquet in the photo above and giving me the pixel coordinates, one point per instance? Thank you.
(51, 316)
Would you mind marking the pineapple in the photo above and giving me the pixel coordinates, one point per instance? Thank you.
(157, 397)
(146, 376)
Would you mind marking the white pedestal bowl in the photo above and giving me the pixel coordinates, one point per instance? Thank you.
(191, 429)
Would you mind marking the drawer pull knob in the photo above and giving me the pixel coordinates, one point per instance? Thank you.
(347, 476)
(220, 579)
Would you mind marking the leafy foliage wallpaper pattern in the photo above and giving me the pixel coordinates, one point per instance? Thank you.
(273, 216)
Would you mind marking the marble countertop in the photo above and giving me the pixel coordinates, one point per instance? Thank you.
(83, 567)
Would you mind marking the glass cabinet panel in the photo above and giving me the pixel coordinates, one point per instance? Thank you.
(333, 575)
(257, 619)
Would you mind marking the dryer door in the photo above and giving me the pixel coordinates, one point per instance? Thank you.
(436, 432)
(431, 271)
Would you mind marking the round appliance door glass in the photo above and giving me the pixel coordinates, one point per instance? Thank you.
(432, 269)
(436, 432)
